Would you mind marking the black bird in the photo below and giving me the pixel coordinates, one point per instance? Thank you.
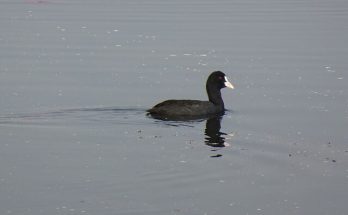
(194, 108)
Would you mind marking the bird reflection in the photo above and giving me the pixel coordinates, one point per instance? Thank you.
(214, 137)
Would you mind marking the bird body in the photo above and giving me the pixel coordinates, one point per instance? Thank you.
(184, 108)
(194, 108)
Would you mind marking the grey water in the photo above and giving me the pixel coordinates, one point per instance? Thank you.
(76, 78)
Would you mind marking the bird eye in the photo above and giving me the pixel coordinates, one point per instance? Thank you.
(221, 78)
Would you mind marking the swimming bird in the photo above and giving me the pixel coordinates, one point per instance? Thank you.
(195, 108)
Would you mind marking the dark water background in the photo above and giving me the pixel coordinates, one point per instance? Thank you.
(77, 76)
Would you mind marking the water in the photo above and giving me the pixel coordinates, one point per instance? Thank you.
(76, 78)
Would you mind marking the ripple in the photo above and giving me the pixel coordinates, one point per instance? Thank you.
(77, 115)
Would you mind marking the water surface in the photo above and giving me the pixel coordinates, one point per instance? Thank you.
(76, 78)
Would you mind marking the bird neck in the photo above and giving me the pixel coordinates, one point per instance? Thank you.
(214, 95)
